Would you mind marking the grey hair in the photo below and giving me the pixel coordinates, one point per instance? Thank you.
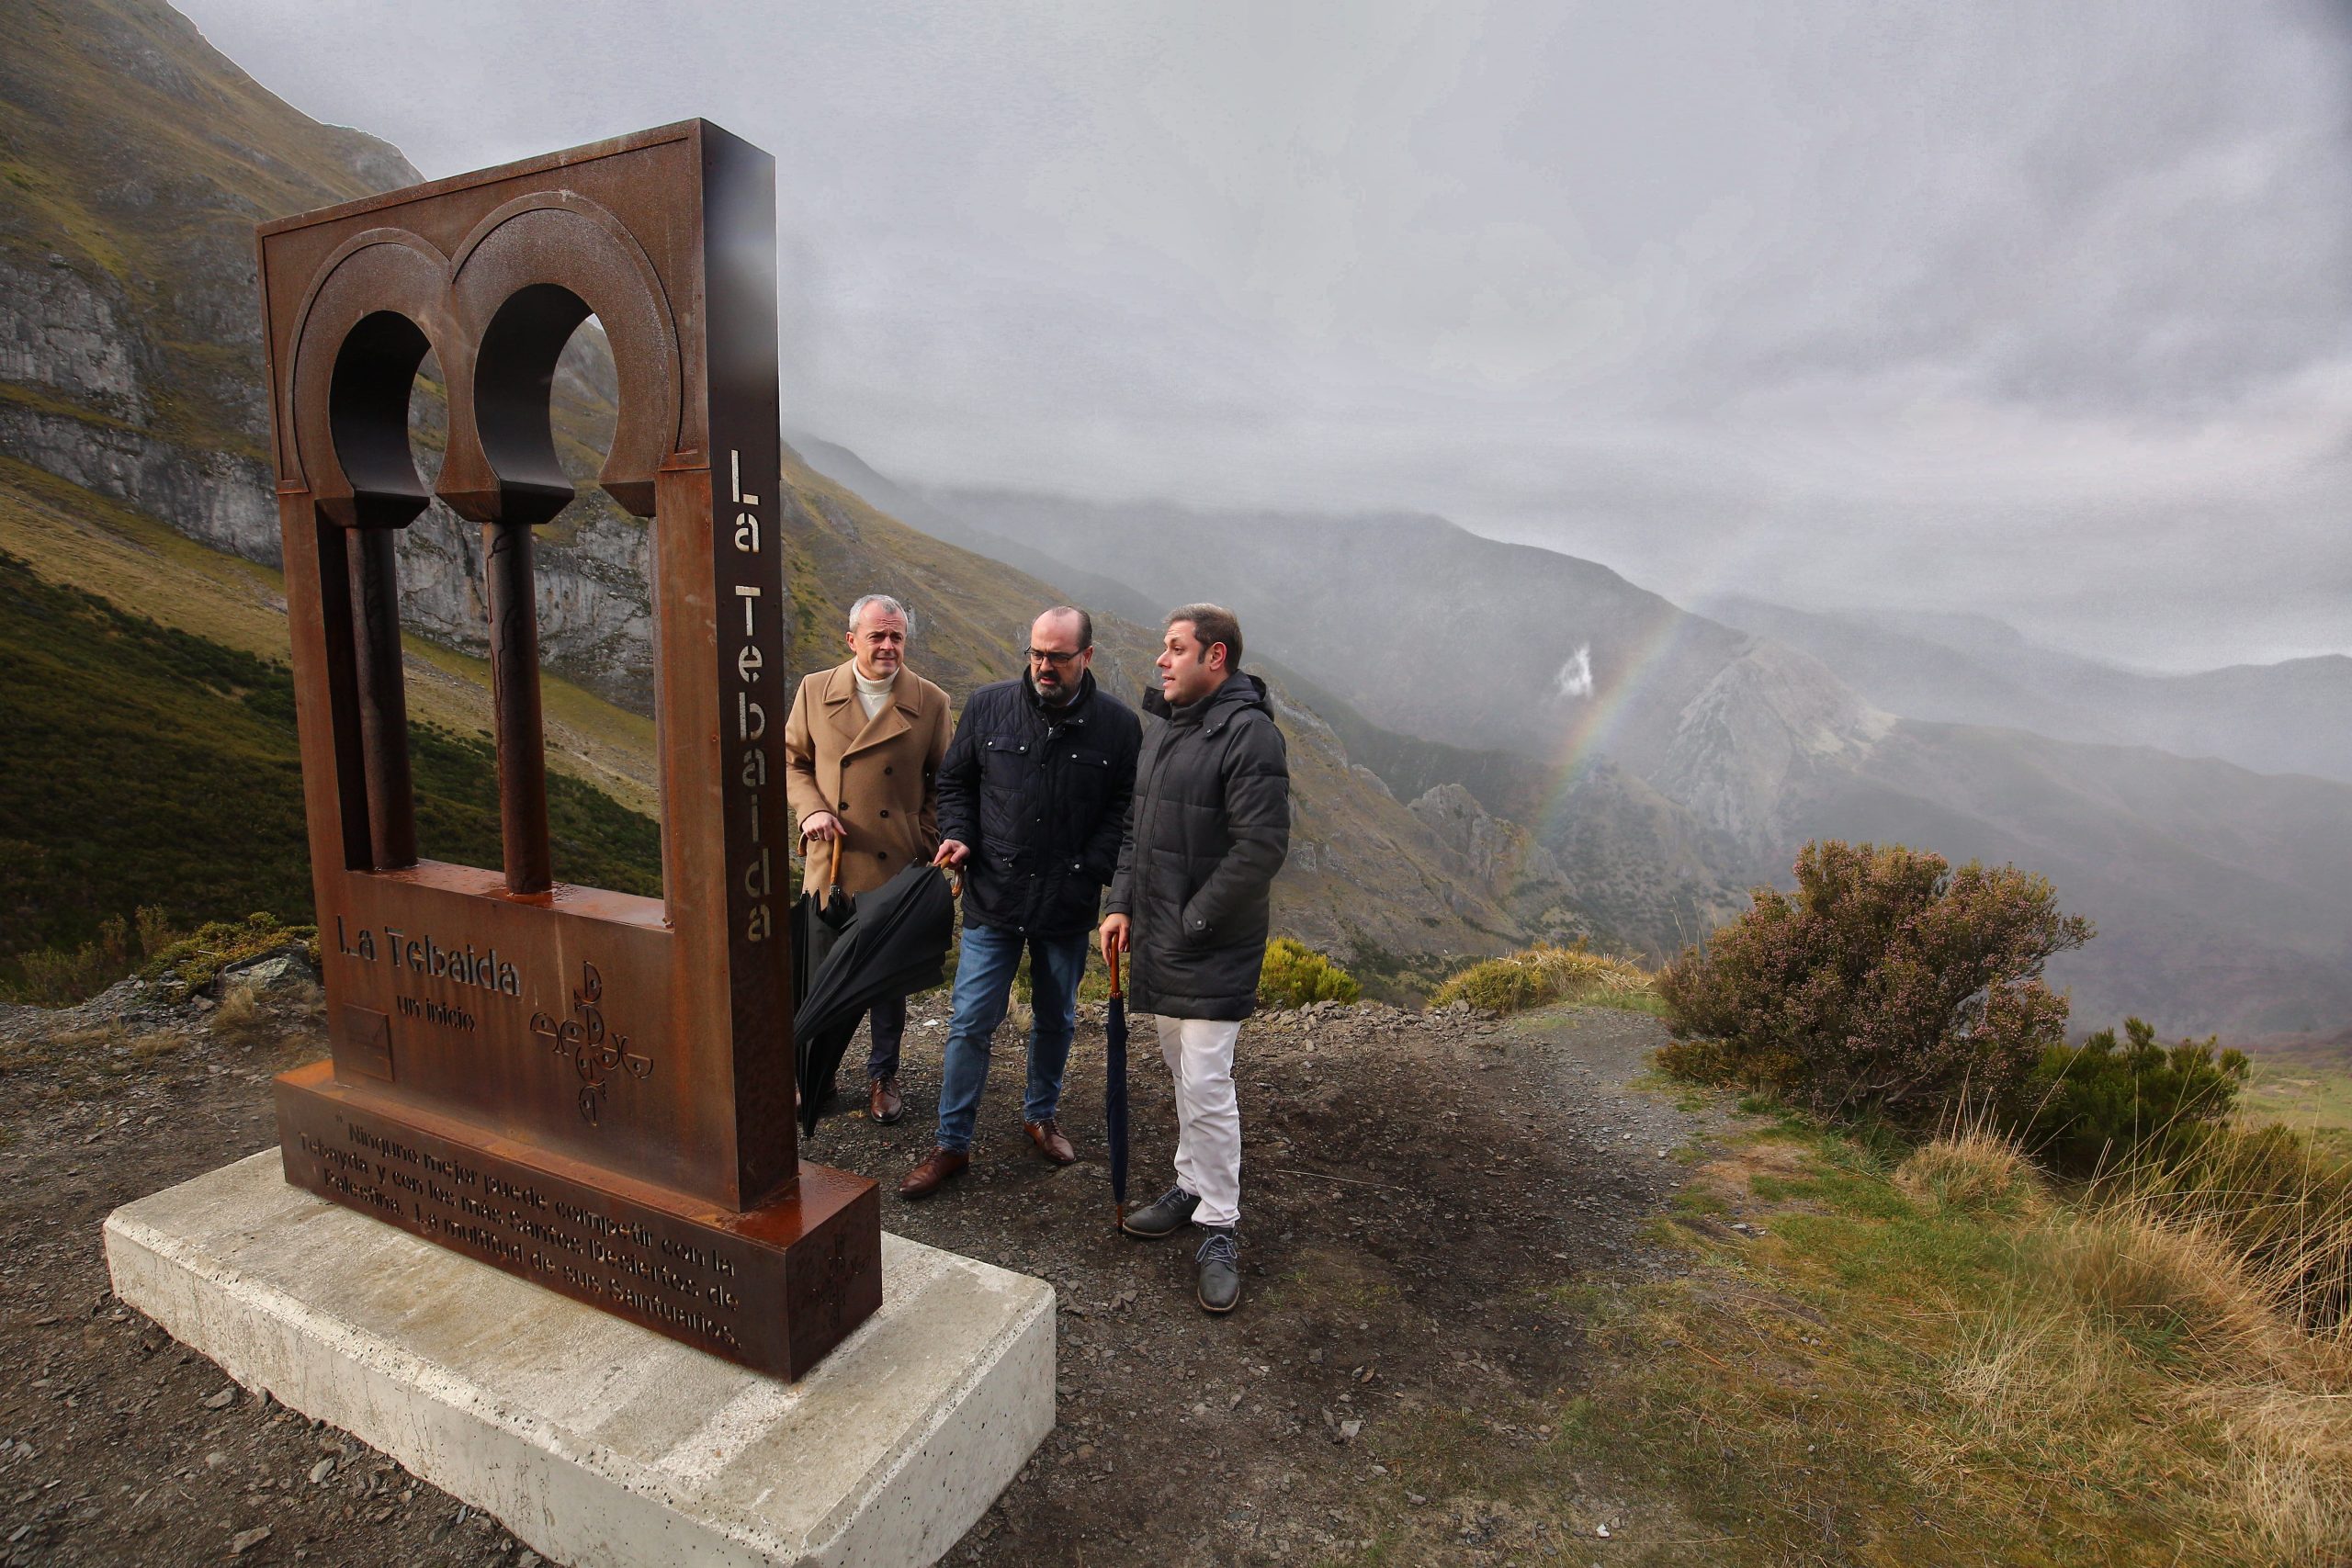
(889, 607)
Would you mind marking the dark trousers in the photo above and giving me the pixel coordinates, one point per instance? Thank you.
(889, 1022)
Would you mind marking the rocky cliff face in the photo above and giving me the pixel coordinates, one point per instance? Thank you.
(1756, 738)
(1505, 857)
(130, 331)
(130, 359)
(595, 622)
(59, 334)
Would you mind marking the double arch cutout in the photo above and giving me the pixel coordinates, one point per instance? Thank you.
(497, 314)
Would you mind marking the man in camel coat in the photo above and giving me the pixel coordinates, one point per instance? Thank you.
(862, 750)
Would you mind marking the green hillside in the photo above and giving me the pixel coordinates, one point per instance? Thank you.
(149, 767)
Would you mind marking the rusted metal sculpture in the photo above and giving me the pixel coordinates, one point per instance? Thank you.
(591, 1089)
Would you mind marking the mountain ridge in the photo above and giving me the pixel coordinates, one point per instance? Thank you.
(1750, 745)
(2294, 715)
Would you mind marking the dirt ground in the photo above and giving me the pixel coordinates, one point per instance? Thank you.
(1424, 1200)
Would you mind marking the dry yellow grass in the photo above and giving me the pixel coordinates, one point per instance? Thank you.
(1974, 1172)
(239, 1014)
(1946, 1361)
(1542, 974)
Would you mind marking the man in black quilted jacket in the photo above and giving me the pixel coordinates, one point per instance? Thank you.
(1032, 798)
(1191, 901)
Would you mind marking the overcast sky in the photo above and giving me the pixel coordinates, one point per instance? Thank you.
(2042, 310)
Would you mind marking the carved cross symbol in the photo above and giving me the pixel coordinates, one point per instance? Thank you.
(582, 1039)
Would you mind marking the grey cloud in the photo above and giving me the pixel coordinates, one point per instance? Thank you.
(2040, 311)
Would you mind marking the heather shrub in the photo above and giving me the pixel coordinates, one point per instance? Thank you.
(1888, 984)
(1295, 975)
(2101, 1104)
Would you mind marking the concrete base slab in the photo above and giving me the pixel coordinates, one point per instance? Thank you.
(593, 1439)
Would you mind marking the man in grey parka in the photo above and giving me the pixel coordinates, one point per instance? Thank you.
(1191, 903)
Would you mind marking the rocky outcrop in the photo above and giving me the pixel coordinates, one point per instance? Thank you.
(61, 335)
(1746, 751)
(222, 499)
(596, 618)
(1505, 860)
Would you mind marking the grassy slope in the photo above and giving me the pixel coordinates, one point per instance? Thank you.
(149, 765)
(2307, 1087)
(72, 536)
(1875, 1369)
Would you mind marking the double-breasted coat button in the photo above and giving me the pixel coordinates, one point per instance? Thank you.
(844, 806)
(886, 814)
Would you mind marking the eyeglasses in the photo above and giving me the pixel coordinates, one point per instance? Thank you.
(1040, 655)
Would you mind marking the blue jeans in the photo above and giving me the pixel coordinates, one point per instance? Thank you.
(983, 988)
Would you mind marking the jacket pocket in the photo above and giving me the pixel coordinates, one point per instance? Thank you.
(1009, 792)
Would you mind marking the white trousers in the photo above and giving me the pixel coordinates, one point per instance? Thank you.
(1199, 1052)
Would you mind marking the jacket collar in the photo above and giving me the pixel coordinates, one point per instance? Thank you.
(848, 720)
(1070, 712)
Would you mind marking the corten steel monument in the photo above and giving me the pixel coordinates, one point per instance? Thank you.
(591, 1089)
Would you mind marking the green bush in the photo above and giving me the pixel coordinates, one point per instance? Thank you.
(194, 962)
(1534, 976)
(56, 977)
(2099, 1105)
(1887, 985)
(1295, 975)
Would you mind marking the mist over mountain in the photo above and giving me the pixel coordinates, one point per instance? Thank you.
(2291, 717)
(2221, 892)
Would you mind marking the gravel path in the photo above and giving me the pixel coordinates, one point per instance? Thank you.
(1423, 1195)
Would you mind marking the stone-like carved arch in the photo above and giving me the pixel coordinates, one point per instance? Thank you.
(381, 304)
(527, 275)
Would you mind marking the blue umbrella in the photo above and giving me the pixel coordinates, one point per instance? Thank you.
(1114, 1091)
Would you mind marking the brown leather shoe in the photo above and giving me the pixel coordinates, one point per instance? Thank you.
(938, 1167)
(882, 1101)
(1048, 1136)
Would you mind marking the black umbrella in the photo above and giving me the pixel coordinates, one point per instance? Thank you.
(816, 924)
(1114, 1091)
(818, 920)
(897, 946)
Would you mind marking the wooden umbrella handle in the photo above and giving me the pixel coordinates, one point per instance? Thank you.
(833, 862)
(1116, 994)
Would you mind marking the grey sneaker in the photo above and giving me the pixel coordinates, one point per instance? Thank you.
(1164, 1215)
(1219, 1266)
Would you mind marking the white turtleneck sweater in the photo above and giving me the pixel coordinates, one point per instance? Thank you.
(873, 695)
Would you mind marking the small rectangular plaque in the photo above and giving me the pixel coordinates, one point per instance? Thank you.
(366, 1044)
